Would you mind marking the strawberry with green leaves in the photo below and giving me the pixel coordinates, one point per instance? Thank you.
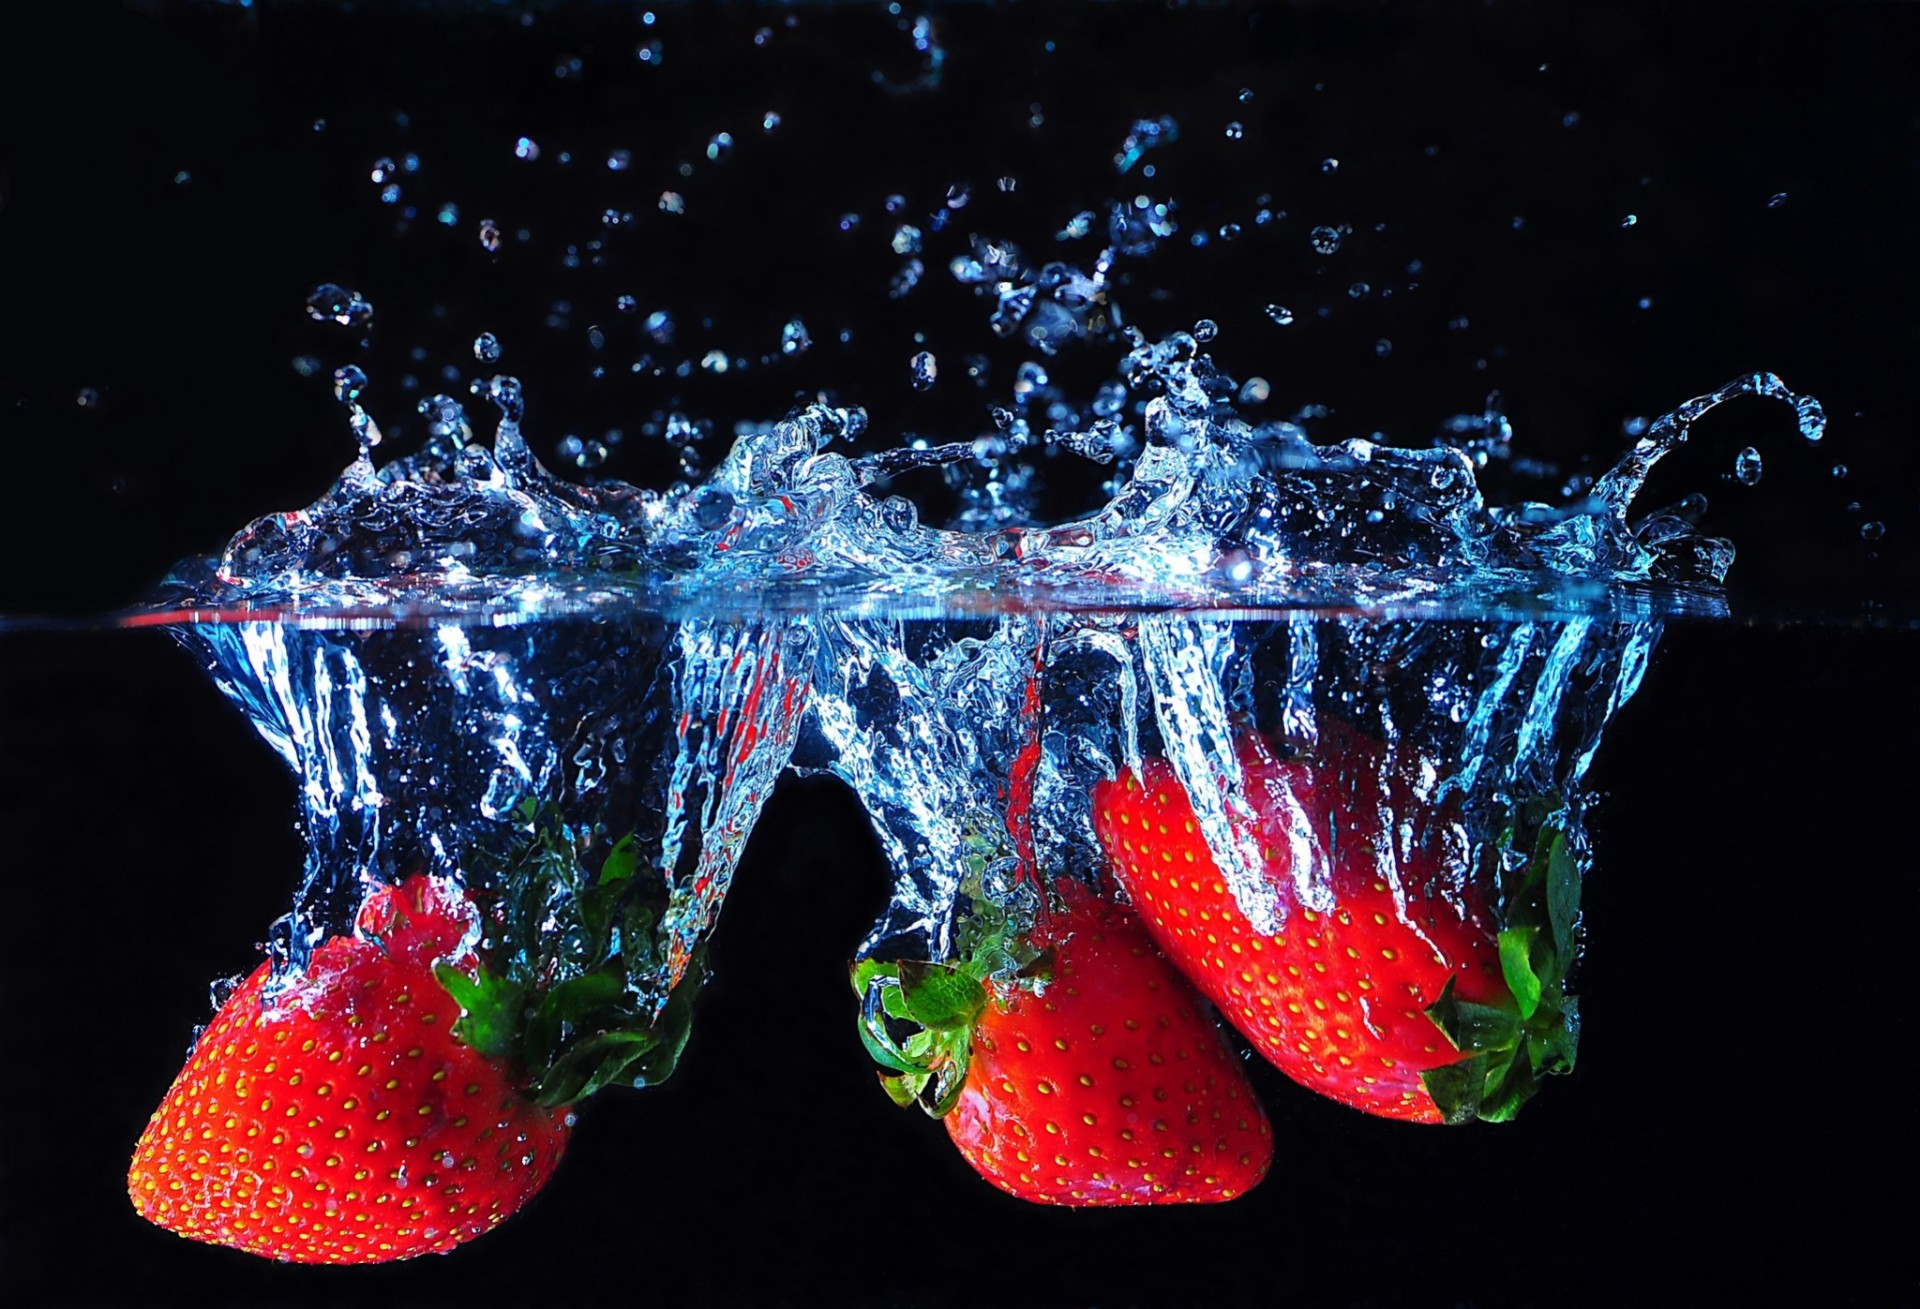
(1086, 1074)
(339, 1120)
(1427, 991)
(398, 1096)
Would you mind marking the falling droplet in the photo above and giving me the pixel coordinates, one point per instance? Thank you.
(1872, 531)
(794, 339)
(925, 370)
(489, 236)
(1329, 165)
(1235, 131)
(1280, 314)
(331, 303)
(1746, 467)
(486, 347)
(1205, 330)
(526, 148)
(1326, 240)
(1777, 199)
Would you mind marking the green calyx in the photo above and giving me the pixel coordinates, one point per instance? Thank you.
(1509, 1048)
(563, 991)
(917, 1017)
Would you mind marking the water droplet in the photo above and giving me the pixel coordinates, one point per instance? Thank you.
(659, 326)
(490, 236)
(650, 53)
(1746, 466)
(88, 397)
(715, 361)
(1329, 165)
(1326, 240)
(331, 303)
(1570, 119)
(1872, 531)
(672, 202)
(1646, 302)
(1280, 314)
(794, 339)
(1777, 199)
(1235, 131)
(449, 214)
(348, 382)
(719, 146)
(849, 222)
(486, 347)
(182, 177)
(1359, 291)
(526, 148)
(1205, 330)
(619, 160)
(906, 239)
(1255, 391)
(384, 171)
(1839, 470)
(1383, 347)
(1630, 220)
(769, 121)
(1028, 378)
(925, 370)
(958, 194)
(1246, 95)
(898, 514)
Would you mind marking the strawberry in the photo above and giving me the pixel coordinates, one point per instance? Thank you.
(1424, 992)
(339, 1120)
(1108, 1084)
(399, 1095)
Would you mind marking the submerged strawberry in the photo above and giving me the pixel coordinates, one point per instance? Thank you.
(1109, 1084)
(1423, 993)
(339, 1120)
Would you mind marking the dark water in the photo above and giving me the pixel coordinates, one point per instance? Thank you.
(1735, 1124)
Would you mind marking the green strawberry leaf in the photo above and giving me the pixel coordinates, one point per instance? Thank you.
(865, 970)
(1563, 892)
(1473, 1027)
(938, 996)
(1456, 1088)
(594, 1063)
(1508, 1085)
(903, 1088)
(621, 861)
(491, 1009)
(1516, 966)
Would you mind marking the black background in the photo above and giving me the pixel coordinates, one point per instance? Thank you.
(1737, 1129)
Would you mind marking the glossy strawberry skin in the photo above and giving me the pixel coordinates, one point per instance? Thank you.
(1336, 1000)
(339, 1120)
(1112, 1086)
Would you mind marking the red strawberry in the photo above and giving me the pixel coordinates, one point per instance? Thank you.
(1109, 1085)
(1417, 1001)
(340, 1120)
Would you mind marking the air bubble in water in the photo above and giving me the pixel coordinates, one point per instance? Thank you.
(1280, 314)
(331, 303)
(1326, 240)
(794, 339)
(1746, 466)
(490, 236)
(486, 347)
(925, 370)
